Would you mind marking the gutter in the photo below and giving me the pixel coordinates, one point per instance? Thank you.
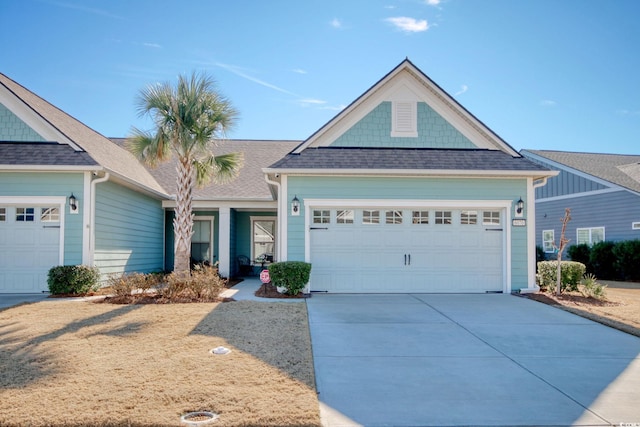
(92, 219)
(536, 288)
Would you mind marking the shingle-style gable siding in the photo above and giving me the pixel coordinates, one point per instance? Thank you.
(374, 130)
(14, 129)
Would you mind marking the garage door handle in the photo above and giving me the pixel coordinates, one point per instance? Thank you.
(318, 228)
(493, 229)
(50, 226)
(409, 259)
(405, 259)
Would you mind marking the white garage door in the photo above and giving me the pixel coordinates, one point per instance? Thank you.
(407, 250)
(29, 247)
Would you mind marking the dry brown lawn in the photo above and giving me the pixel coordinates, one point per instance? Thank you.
(620, 309)
(72, 363)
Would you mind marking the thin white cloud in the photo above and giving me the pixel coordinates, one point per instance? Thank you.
(336, 23)
(433, 2)
(311, 101)
(390, 7)
(152, 45)
(462, 90)
(299, 71)
(86, 9)
(334, 107)
(625, 112)
(409, 25)
(239, 72)
(548, 103)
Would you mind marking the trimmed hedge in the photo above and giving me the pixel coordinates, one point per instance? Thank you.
(73, 279)
(610, 260)
(571, 273)
(291, 275)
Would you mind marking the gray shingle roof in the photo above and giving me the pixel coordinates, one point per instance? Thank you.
(42, 153)
(249, 185)
(406, 159)
(619, 169)
(115, 159)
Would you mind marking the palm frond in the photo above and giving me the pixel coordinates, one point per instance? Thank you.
(220, 169)
(150, 149)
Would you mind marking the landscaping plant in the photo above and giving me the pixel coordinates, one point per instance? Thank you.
(590, 288)
(291, 275)
(73, 279)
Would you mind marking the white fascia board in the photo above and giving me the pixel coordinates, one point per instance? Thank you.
(34, 120)
(25, 200)
(407, 203)
(416, 172)
(232, 204)
(49, 168)
(583, 194)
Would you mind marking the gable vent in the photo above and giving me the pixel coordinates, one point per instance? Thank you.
(404, 119)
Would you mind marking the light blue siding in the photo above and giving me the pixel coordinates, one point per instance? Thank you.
(374, 130)
(350, 188)
(170, 236)
(615, 211)
(14, 129)
(128, 230)
(52, 184)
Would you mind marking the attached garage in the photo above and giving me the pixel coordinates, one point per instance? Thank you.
(32, 240)
(421, 248)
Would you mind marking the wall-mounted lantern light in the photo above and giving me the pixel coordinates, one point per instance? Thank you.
(295, 206)
(519, 207)
(73, 204)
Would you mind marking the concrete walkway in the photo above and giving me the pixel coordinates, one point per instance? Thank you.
(454, 360)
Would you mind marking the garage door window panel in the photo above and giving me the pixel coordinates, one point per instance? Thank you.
(344, 216)
(420, 217)
(444, 217)
(468, 217)
(50, 215)
(491, 218)
(321, 216)
(393, 217)
(25, 214)
(3, 214)
(370, 217)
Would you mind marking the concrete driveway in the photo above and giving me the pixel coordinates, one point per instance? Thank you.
(453, 360)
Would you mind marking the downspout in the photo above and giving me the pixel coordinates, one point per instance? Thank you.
(533, 286)
(92, 219)
(278, 215)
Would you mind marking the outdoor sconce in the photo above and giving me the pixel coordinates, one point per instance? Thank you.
(73, 204)
(519, 207)
(295, 206)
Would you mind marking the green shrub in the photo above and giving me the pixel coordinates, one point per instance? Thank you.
(627, 254)
(570, 274)
(291, 275)
(580, 253)
(73, 279)
(590, 288)
(603, 261)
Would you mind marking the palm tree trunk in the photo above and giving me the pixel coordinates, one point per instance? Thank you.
(183, 221)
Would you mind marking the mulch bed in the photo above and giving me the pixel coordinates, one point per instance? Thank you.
(570, 299)
(267, 290)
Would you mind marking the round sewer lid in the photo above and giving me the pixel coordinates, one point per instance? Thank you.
(198, 418)
(220, 350)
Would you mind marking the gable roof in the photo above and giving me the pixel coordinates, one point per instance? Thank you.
(409, 161)
(67, 130)
(619, 169)
(428, 91)
(250, 185)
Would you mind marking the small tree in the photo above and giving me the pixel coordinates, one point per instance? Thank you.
(560, 248)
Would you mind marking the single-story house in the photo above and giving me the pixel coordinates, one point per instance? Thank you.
(402, 191)
(602, 191)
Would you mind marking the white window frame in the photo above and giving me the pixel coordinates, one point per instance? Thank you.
(275, 234)
(320, 216)
(489, 218)
(393, 217)
(211, 221)
(590, 230)
(371, 217)
(49, 214)
(635, 225)
(419, 217)
(468, 217)
(345, 216)
(443, 217)
(548, 249)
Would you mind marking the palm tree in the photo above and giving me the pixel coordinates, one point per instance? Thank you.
(188, 119)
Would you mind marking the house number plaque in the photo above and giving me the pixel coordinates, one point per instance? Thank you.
(519, 222)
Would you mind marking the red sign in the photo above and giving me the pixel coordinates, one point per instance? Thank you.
(264, 276)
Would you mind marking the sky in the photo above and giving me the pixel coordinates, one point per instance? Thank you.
(542, 74)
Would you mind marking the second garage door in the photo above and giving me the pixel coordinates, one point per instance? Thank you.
(407, 250)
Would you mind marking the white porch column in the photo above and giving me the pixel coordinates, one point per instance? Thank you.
(224, 242)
